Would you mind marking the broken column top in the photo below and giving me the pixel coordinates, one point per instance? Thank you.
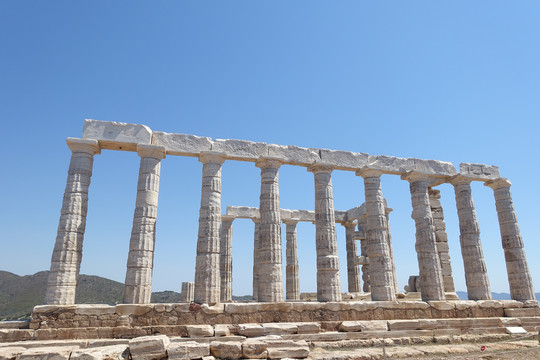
(123, 136)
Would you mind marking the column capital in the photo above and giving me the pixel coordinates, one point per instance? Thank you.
(413, 176)
(290, 221)
(214, 157)
(265, 162)
(388, 210)
(83, 145)
(349, 223)
(460, 180)
(318, 167)
(498, 183)
(256, 220)
(367, 172)
(227, 218)
(151, 151)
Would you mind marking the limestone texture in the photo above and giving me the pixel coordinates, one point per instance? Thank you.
(226, 258)
(292, 288)
(353, 271)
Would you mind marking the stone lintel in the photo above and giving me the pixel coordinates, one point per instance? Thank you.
(116, 135)
(344, 160)
(480, 172)
(83, 145)
(214, 157)
(290, 221)
(294, 155)
(243, 212)
(240, 149)
(367, 172)
(181, 144)
(151, 151)
(460, 179)
(498, 183)
(432, 180)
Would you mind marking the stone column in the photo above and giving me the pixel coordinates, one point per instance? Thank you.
(292, 287)
(269, 270)
(328, 284)
(256, 238)
(138, 284)
(519, 277)
(207, 277)
(378, 251)
(442, 239)
(387, 211)
(226, 257)
(353, 271)
(363, 254)
(476, 276)
(187, 291)
(67, 253)
(426, 248)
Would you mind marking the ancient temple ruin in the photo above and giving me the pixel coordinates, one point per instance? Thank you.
(368, 223)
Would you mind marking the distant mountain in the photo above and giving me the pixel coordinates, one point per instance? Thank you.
(19, 294)
(496, 296)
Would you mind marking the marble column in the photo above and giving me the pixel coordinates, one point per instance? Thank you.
(187, 291)
(328, 283)
(387, 211)
(292, 288)
(378, 251)
(270, 270)
(67, 253)
(353, 271)
(442, 239)
(476, 276)
(426, 244)
(225, 264)
(207, 277)
(363, 254)
(519, 277)
(138, 284)
(256, 238)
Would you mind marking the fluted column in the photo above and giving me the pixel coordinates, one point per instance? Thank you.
(292, 288)
(207, 277)
(363, 252)
(387, 211)
(256, 239)
(270, 271)
(426, 247)
(138, 284)
(187, 291)
(442, 239)
(519, 277)
(225, 249)
(378, 251)
(67, 253)
(476, 276)
(328, 284)
(353, 271)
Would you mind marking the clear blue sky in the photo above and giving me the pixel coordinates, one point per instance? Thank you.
(456, 81)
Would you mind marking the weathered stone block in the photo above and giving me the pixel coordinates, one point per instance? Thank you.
(226, 350)
(113, 352)
(116, 135)
(149, 347)
(279, 349)
(187, 350)
(250, 330)
(373, 325)
(344, 160)
(240, 149)
(200, 330)
(254, 349)
(479, 171)
(294, 155)
(47, 353)
(180, 144)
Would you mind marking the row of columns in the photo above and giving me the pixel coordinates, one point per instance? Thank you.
(267, 278)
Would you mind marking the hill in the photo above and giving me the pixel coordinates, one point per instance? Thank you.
(19, 294)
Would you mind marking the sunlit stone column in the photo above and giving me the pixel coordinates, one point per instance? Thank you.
(442, 239)
(292, 288)
(387, 211)
(207, 277)
(328, 284)
(363, 254)
(378, 251)
(67, 253)
(519, 277)
(269, 270)
(256, 239)
(225, 249)
(138, 284)
(353, 271)
(476, 276)
(187, 291)
(426, 248)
